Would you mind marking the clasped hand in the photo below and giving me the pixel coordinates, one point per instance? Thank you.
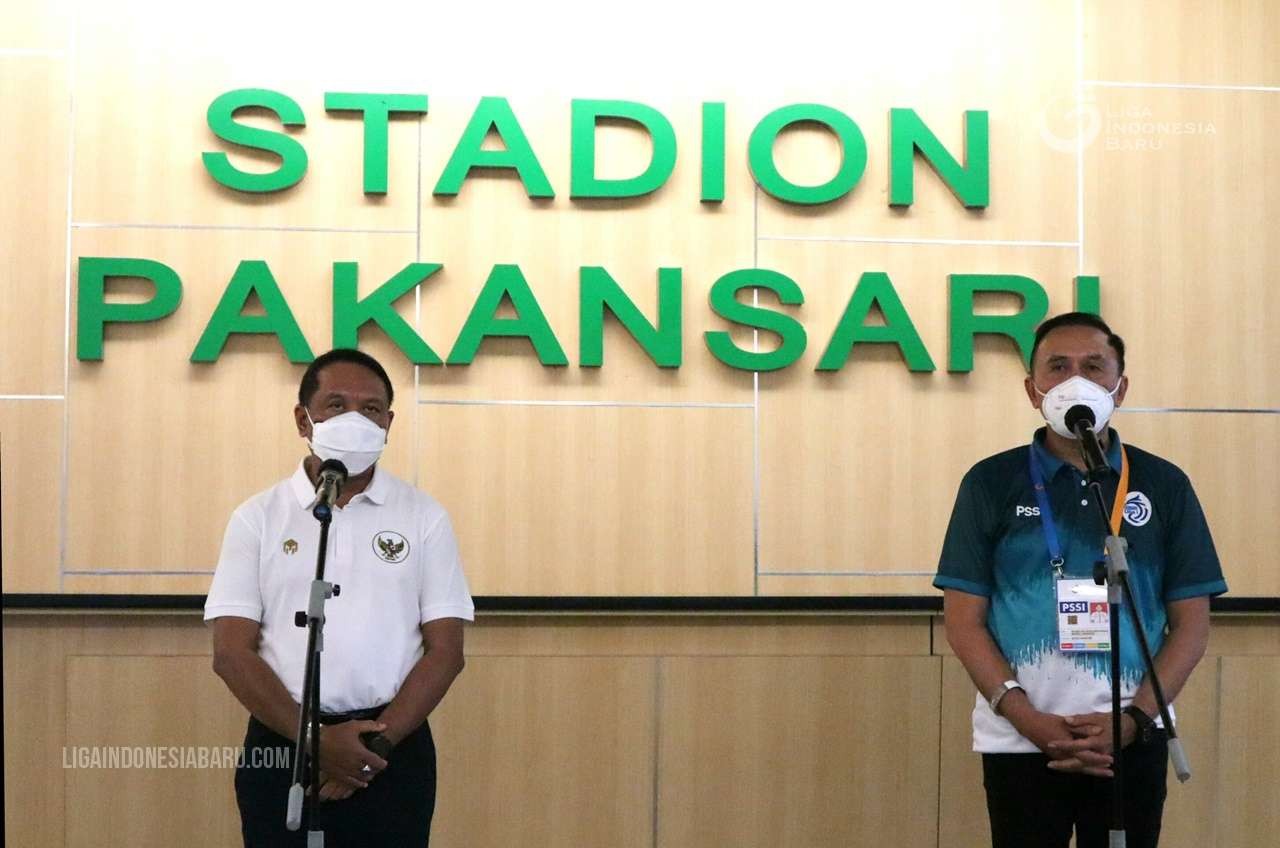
(345, 763)
(1077, 743)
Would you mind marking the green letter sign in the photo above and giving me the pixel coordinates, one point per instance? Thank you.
(1021, 326)
(293, 158)
(93, 313)
(725, 302)
(599, 291)
(377, 110)
(969, 182)
(506, 282)
(252, 277)
(875, 290)
(582, 148)
(493, 114)
(853, 158)
(350, 313)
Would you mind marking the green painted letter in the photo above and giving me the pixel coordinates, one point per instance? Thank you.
(252, 277)
(93, 313)
(599, 291)
(350, 313)
(725, 302)
(293, 157)
(853, 156)
(506, 282)
(1021, 326)
(875, 289)
(582, 148)
(970, 182)
(494, 114)
(712, 152)
(377, 110)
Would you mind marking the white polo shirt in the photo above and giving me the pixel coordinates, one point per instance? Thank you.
(391, 550)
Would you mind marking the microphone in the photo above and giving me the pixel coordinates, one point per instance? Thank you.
(333, 474)
(1079, 420)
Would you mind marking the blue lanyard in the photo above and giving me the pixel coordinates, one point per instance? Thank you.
(1046, 513)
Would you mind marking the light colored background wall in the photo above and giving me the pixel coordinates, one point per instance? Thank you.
(627, 479)
(619, 731)
(566, 731)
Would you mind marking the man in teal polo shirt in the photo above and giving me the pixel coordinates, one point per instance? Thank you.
(1042, 717)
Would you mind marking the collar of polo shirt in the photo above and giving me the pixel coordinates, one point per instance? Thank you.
(1051, 464)
(305, 491)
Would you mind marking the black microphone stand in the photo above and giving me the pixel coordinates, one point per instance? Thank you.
(309, 714)
(1114, 572)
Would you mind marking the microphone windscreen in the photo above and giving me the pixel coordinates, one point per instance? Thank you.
(1077, 415)
(338, 468)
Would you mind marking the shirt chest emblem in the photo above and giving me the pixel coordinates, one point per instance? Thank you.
(290, 547)
(390, 546)
(1137, 509)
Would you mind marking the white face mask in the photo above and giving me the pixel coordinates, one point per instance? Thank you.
(350, 438)
(1069, 393)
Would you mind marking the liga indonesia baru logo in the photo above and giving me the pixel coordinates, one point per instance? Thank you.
(1137, 509)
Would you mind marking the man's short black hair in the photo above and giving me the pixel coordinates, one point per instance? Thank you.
(1078, 319)
(311, 377)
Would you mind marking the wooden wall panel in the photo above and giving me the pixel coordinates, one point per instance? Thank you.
(157, 702)
(962, 803)
(144, 83)
(1015, 60)
(574, 765)
(1180, 235)
(859, 468)
(33, 224)
(802, 634)
(595, 500)
(790, 751)
(203, 438)
(548, 738)
(1219, 452)
(1182, 41)
(31, 473)
(89, 581)
(35, 717)
(1249, 812)
(34, 26)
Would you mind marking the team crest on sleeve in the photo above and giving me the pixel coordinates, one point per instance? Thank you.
(390, 546)
(1137, 509)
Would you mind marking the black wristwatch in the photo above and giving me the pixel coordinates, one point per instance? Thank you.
(378, 744)
(1145, 724)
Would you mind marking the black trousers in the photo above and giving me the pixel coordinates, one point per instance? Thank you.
(1032, 806)
(394, 811)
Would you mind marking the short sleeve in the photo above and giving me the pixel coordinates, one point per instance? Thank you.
(235, 590)
(966, 563)
(1192, 568)
(444, 587)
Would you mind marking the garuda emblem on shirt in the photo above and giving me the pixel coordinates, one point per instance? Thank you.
(390, 546)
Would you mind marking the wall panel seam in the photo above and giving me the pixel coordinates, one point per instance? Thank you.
(1181, 85)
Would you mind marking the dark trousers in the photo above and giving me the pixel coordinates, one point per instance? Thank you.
(394, 811)
(1032, 806)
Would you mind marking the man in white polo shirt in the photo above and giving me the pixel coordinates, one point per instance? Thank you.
(392, 639)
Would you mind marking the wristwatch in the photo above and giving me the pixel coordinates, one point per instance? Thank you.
(997, 696)
(378, 744)
(1145, 724)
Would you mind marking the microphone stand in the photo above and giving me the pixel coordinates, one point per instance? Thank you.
(309, 714)
(1114, 572)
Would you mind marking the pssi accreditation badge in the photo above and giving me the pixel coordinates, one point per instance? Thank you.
(1084, 616)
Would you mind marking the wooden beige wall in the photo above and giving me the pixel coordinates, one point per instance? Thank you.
(669, 731)
(629, 479)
